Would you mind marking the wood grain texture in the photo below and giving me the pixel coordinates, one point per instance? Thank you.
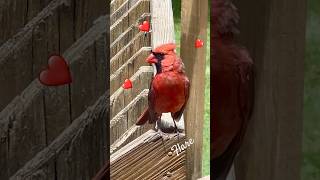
(133, 63)
(75, 134)
(162, 23)
(276, 41)
(128, 49)
(194, 19)
(9, 9)
(36, 115)
(126, 117)
(141, 159)
(122, 28)
(12, 57)
(122, 97)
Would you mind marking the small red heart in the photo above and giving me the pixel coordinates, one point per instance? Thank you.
(127, 84)
(199, 43)
(145, 26)
(57, 72)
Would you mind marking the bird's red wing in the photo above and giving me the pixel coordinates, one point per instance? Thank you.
(144, 117)
(223, 163)
(153, 116)
(149, 113)
(177, 115)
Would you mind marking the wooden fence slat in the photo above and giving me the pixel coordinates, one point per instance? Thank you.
(26, 135)
(120, 30)
(129, 18)
(121, 98)
(82, 93)
(136, 60)
(66, 25)
(12, 61)
(119, 123)
(72, 55)
(12, 8)
(78, 128)
(115, 4)
(4, 143)
(22, 109)
(194, 19)
(139, 41)
(102, 64)
(125, 8)
(57, 112)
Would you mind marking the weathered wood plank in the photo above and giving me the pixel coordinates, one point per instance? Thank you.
(4, 144)
(85, 14)
(129, 68)
(194, 12)
(120, 123)
(84, 71)
(12, 8)
(6, 50)
(12, 61)
(102, 64)
(132, 133)
(141, 159)
(120, 29)
(59, 36)
(162, 23)
(127, 35)
(76, 133)
(57, 112)
(72, 55)
(140, 40)
(132, 18)
(125, 8)
(276, 41)
(26, 134)
(127, 56)
(115, 4)
(21, 103)
(122, 97)
(66, 19)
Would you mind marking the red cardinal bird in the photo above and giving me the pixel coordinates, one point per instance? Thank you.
(232, 88)
(169, 88)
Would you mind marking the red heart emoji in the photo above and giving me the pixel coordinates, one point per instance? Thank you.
(145, 26)
(57, 72)
(199, 43)
(127, 84)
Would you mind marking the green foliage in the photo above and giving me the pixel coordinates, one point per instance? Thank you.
(311, 128)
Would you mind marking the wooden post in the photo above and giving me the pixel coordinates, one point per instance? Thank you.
(274, 33)
(194, 18)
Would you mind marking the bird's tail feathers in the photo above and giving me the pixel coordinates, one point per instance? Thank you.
(144, 117)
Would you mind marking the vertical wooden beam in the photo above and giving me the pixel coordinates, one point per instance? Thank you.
(162, 22)
(194, 18)
(276, 41)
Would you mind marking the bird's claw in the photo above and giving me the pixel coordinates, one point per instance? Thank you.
(159, 134)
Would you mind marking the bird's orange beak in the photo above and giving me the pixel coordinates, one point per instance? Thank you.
(151, 59)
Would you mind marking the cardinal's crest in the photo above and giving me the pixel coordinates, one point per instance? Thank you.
(225, 18)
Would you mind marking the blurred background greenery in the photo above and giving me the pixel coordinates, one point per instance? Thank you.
(311, 129)
(311, 126)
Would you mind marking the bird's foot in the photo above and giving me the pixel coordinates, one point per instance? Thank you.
(158, 135)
